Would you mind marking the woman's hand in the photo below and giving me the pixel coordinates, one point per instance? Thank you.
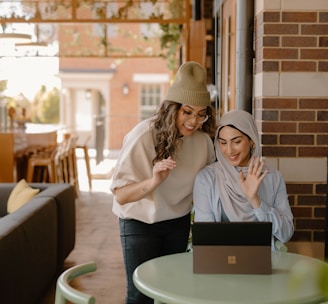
(251, 183)
(162, 169)
(136, 191)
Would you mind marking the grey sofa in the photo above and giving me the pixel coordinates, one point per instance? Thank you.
(34, 241)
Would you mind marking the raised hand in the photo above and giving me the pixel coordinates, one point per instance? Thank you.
(251, 182)
(162, 169)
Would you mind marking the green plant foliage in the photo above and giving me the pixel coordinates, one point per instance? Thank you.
(46, 106)
(170, 43)
(323, 280)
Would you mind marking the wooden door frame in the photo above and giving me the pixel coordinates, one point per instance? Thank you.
(242, 64)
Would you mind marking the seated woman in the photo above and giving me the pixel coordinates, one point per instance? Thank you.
(239, 186)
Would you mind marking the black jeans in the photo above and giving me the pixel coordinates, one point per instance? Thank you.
(142, 242)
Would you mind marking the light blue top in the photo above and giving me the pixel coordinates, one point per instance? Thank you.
(274, 206)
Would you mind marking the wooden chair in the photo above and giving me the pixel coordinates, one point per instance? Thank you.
(41, 165)
(65, 292)
(68, 164)
(85, 149)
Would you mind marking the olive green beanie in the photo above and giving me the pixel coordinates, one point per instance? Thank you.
(189, 86)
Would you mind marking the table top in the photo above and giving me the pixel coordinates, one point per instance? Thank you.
(170, 279)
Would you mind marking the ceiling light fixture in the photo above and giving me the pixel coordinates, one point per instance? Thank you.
(15, 37)
(31, 45)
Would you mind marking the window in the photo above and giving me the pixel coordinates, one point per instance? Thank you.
(150, 97)
(151, 88)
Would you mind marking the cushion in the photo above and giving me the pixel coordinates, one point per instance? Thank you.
(20, 195)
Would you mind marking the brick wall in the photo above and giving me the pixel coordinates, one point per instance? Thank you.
(292, 41)
(291, 106)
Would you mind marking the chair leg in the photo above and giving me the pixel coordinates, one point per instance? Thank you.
(87, 164)
(30, 171)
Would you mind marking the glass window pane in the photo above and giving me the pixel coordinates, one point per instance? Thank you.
(150, 98)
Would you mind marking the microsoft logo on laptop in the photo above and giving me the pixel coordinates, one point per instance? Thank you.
(232, 259)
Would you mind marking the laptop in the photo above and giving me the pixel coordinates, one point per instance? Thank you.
(232, 247)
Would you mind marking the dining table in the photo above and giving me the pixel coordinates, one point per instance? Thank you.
(14, 142)
(170, 279)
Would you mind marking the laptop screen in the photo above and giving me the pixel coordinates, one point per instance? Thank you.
(232, 233)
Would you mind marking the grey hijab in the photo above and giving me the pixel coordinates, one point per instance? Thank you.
(233, 201)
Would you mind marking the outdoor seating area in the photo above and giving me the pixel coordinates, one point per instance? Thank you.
(43, 158)
(56, 164)
(124, 124)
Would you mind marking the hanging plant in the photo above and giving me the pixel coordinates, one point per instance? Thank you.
(170, 42)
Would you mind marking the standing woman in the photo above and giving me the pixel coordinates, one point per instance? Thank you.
(153, 179)
(239, 186)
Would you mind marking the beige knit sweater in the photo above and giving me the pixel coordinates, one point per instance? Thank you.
(173, 198)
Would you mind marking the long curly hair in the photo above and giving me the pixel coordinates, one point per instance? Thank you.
(166, 135)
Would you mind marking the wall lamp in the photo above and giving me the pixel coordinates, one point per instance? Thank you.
(125, 89)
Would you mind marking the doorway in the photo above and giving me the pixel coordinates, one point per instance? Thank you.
(234, 54)
(85, 106)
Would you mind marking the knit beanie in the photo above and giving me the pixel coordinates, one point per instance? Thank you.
(189, 86)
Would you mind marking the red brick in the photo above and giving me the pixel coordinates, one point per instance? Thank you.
(319, 212)
(322, 139)
(269, 139)
(270, 66)
(297, 116)
(296, 139)
(312, 152)
(312, 200)
(271, 41)
(321, 188)
(319, 127)
(314, 29)
(314, 54)
(295, 188)
(311, 103)
(279, 127)
(310, 223)
(323, 41)
(301, 236)
(319, 236)
(322, 116)
(299, 17)
(323, 66)
(298, 41)
(283, 103)
(275, 53)
(280, 29)
(279, 151)
(323, 17)
(271, 16)
(298, 66)
(270, 115)
(302, 212)
(292, 200)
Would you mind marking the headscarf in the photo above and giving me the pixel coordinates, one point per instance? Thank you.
(233, 200)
